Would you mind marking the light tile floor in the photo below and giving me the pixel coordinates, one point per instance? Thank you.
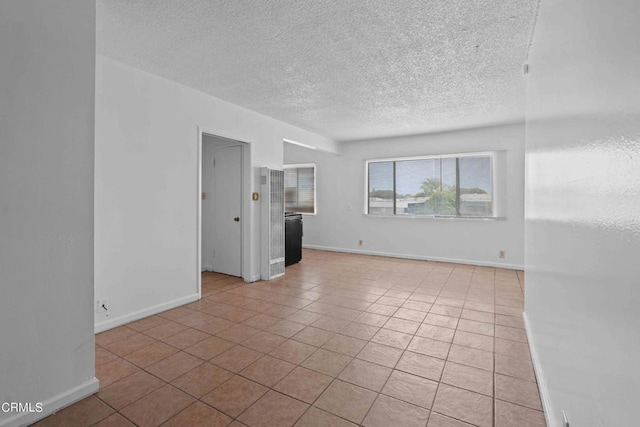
(342, 340)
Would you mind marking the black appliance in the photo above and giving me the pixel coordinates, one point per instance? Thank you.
(292, 238)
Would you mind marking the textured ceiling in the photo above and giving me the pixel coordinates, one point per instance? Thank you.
(345, 69)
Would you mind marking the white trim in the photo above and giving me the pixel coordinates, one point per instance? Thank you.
(417, 257)
(547, 407)
(140, 314)
(247, 228)
(433, 156)
(54, 404)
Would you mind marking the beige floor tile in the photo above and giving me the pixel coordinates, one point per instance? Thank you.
(381, 354)
(440, 320)
(446, 310)
(477, 341)
(286, 328)
(345, 345)
(508, 333)
(209, 348)
(438, 420)
(508, 415)
(384, 310)
(478, 316)
(186, 338)
(157, 407)
(315, 417)
(115, 420)
(436, 332)
(199, 415)
(402, 325)
(346, 400)
(360, 330)
(468, 378)
(114, 334)
(421, 365)
(293, 351)
(214, 326)
(471, 357)
(85, 412)
(515, 367)
(372, 319)
(129, 389)
(515, 390)
(387, 411)
(234, 396)
(115, 370)
(327, 362)
(267, 370)
(237, 333)
(261, 321)
(202, 379)
(429, 347)
(464, 405)
(392, 338)
(274, 409)
(313, 336)
(151, 354)
(129, 344)
(365, 374)
(411, 388)
(264, 342)
(409, 314)
(236, 358)
(304, 384)
(174, 366)
(104, 356)
(511, 348)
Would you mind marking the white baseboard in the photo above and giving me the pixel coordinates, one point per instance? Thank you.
(53, 404)
(418, 257)
(542, 384)
(140, 314)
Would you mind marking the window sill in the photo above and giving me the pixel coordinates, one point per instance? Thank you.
(441, 217)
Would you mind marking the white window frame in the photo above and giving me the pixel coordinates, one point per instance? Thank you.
(494, 185)
(315, 183)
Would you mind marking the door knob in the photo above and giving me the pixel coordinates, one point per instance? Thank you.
(236, 219)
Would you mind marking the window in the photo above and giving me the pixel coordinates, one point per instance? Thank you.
(456, 185)
(300, 188)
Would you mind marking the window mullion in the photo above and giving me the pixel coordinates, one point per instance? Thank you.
(457, 186)
(394, 188)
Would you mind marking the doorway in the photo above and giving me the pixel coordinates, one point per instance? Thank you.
(223, 214)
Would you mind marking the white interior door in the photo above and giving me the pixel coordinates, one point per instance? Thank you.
(227, 210)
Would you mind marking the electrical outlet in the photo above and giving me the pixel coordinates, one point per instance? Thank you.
(359, 242)
(102, 306)
(501, 254)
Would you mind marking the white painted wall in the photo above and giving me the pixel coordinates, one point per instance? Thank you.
(146, 197)
(340, 222)
(582, 228)
(47, 74)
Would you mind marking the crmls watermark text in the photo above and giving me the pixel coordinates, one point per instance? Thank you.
(21, 407)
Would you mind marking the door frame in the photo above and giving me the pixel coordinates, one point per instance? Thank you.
(246, 231)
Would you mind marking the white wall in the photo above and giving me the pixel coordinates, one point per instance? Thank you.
(340, 222)
(583, 210)
(146, 185)
(47, 74)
